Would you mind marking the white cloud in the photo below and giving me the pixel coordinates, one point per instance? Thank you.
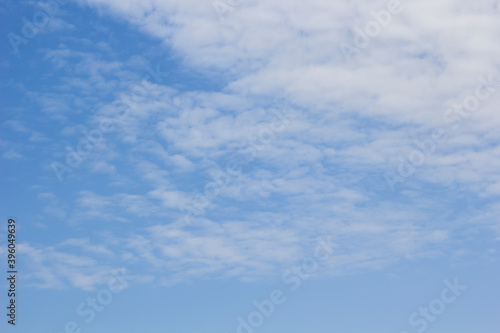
(50, 268)
(12, 155)
(324, 172)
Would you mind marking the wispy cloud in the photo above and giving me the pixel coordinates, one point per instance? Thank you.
(323, 174)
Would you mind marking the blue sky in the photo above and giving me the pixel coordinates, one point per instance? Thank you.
(178, 162)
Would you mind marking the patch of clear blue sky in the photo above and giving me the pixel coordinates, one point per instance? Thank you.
(371, 302)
